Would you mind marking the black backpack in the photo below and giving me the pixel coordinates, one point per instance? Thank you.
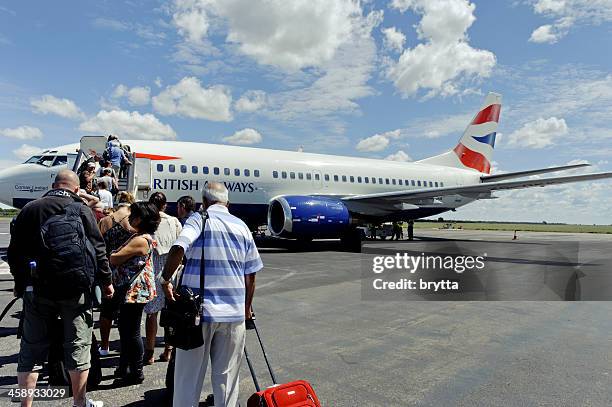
(67, 263)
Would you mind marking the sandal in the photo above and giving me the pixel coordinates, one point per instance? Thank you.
(166, 355)
(148, 358)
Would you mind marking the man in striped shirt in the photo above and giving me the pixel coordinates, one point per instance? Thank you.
(231, 260)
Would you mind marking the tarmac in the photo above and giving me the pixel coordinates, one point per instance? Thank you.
(358, 351)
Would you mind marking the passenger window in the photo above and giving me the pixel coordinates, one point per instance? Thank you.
(274, 174)
(393, 181)
(335, 178)
(431, 184)
(194, 169)
(236, 172)
(359, 180)
(256, 173)
(400, 182)
(160, 167)
(284, 174)
(317, 177)
(292, 175)
(183, 169)
(326, 177)
(247, 173)
(387, 181)
(344, 178)
(373, 180)
(380, 181)
(216, 170)
(205, 170)
(308, 176)
(441, 184)
(367, 180)
(226, 171)
(300, 175)
(436, 184)
(419, 183)
(352, 178)
(412, 182)
(171, 168)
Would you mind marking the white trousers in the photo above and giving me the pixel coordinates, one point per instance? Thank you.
(224, 345)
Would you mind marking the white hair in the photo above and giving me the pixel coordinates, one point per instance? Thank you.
(215, 192)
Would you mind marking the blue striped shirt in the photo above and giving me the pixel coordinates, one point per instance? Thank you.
(229, 254)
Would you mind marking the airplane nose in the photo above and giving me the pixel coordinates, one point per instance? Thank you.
(6, 187)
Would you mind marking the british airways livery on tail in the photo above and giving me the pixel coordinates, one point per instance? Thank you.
(302, 195)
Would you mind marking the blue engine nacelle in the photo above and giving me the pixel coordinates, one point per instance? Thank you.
(307, 217)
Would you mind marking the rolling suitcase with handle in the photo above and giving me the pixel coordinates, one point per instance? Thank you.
(298, 393)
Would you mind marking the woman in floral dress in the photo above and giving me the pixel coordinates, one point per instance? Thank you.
(134, 282)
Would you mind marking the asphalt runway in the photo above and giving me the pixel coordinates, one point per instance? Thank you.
(358, 352)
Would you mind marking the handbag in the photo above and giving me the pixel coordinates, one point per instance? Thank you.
(181, 318)
(122, 290)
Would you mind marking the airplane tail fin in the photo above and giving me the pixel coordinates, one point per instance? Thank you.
(475, 148)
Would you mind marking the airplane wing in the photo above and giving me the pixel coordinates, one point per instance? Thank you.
(521, 174)
(469, 190)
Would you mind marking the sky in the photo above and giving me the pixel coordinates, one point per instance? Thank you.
(396, 79)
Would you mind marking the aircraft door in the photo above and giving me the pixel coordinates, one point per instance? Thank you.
(142, 178)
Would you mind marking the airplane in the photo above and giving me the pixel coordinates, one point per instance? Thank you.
(302, 195)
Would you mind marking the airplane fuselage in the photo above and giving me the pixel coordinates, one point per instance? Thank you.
(254, 176)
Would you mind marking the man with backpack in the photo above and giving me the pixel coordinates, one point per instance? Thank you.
(55, 255)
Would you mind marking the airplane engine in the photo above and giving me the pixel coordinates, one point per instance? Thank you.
(306, 217)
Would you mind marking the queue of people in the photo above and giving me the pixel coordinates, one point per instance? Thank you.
(132, 253)
(99, 176)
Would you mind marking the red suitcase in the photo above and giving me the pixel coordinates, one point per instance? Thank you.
(298, 393)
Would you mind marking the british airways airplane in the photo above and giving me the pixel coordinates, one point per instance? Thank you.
(302, 195)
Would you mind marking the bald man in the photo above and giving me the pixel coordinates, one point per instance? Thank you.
(231, 261)
(47, 293)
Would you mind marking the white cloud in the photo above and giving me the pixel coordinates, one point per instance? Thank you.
(538, 134)
(26, 151)
(22, 133)
(399, 156)
(136, 96)
(292, 35)
(445, 60)
(251, 101)
(191, 19)
(376, 142)
(394, 39)
(568, 13)
(188, 98)
(128, 125)
(61, 107)
(139, 96)
(244, 137)
(158, 82)
(392, 134)
(581, 95)
(544, 34)
(339, 84)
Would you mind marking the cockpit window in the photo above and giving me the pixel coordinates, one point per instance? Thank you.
(33, 160)
(60, 160)
(48, 160)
